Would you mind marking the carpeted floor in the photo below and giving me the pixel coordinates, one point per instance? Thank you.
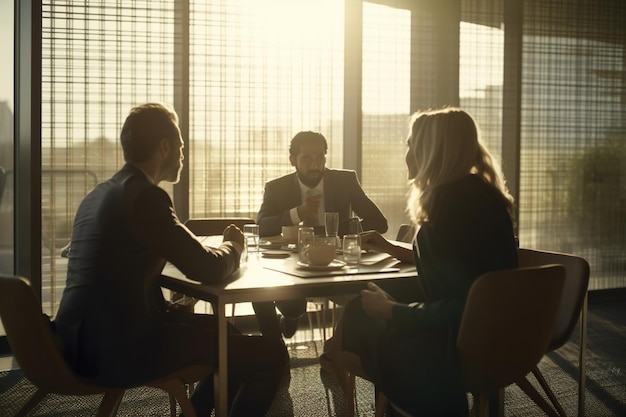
(311, 392)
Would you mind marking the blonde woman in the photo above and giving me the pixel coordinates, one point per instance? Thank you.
(463, 212)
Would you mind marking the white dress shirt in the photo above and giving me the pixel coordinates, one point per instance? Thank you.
(305, 192)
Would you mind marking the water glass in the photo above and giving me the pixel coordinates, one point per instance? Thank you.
(251, 234)
(305, 235)
(352, 249)
(332, 223)
(354, 225)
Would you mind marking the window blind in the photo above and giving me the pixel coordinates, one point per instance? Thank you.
(260, 71)
(573, 132)
(99, 59)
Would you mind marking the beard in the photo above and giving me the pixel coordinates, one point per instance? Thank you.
(173, 169)
(311, 178)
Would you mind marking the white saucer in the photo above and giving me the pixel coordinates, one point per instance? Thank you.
(335, 264)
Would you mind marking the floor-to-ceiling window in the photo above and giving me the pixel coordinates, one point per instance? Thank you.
(481, 68)
(573, 133)
(260, 71)
(244, 76)
(99, 59)
(386, 69)
(247, 75)
(6, 140)
(6, 137)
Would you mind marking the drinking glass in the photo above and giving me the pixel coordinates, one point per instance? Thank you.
(352, 249)
(332, 223)
(305, 236)
(354, 225)
(251, 234)
(332, 226)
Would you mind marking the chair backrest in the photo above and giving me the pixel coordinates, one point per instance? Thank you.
(507, 324)
(210, 226)
(576, 284)
(406, 233)
(32, 341)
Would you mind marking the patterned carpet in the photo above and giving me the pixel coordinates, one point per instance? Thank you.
(312, 392)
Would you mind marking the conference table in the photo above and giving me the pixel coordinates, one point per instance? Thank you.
(276, 275)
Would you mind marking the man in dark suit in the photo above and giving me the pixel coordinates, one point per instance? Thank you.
(304, 196)
(113, 322)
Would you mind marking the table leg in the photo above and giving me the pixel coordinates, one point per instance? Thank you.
(221, 374)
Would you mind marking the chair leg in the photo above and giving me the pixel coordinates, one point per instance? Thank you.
(382, 404)
(333, 319)
(544, 384)
(177, 392)
(496, 403)
(481, 405)
(32, 402)
(323, 308)
(582, 357)
(110, 403)
(172, 405)
(349, 391)
(311, 327)
(526, 386)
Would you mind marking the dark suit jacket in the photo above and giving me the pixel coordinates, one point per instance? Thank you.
(125, 230)
(342, 194)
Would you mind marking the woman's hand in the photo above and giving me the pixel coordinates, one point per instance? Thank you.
(372, 240)
(376, 302)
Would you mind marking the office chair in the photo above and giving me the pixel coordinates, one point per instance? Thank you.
(500, 339)
(573, 306)
(406, 233)
(32, 342)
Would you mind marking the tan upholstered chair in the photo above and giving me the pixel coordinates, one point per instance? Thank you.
(406, 233)
(500, 338)
(573, 306)
(33, 346)
(505, 330)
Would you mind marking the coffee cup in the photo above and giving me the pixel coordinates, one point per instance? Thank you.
(290, 233)
(321, 252)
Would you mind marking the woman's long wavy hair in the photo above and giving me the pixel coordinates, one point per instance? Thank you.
(443, 146)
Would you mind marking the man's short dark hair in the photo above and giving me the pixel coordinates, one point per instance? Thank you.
(143, 129)
(307, 136)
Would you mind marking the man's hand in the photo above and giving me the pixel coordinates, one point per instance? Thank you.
(376, 302)
(309, 208)
(234, 234)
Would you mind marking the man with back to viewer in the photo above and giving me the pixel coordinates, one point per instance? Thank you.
(304, 196)
(115, 326)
